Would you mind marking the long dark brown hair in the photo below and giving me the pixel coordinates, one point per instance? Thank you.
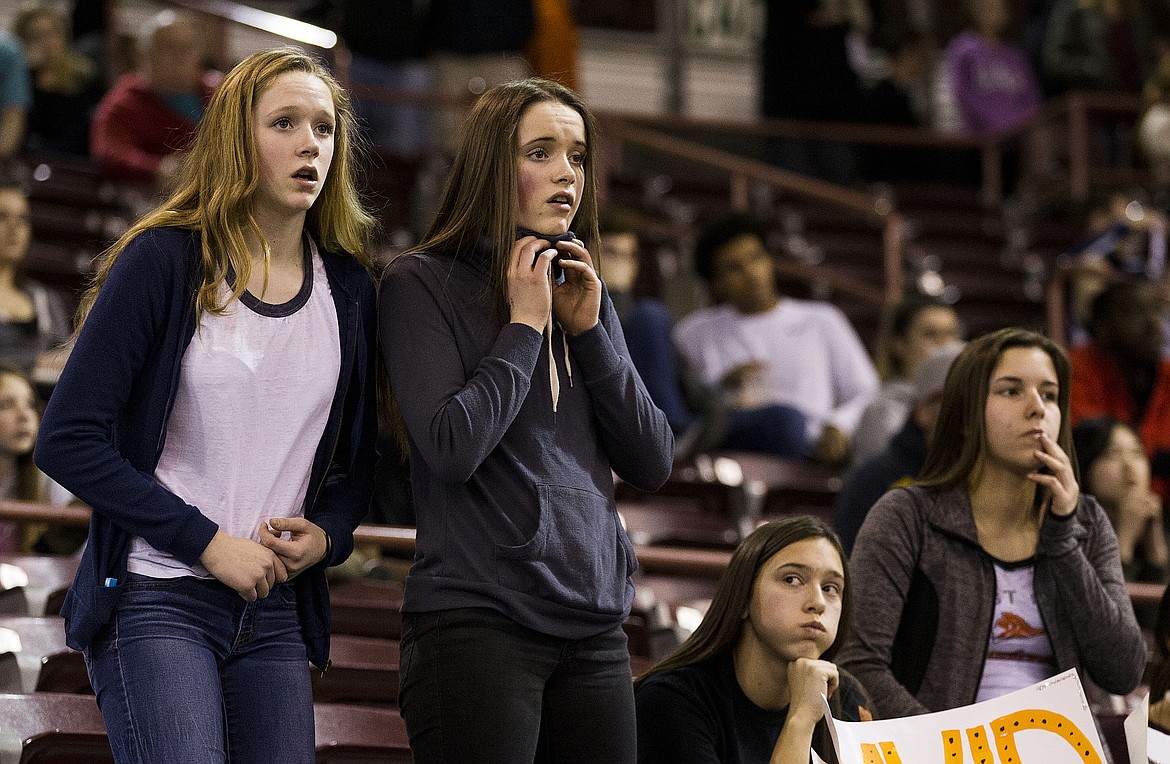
(479, 204)
(721, 627)
(959, 442)
(479, 201)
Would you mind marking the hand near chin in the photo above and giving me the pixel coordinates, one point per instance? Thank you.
(808, 680)
(576, 302)
(1056, 474)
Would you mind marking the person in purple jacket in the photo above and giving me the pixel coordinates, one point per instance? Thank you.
(993, 84)
(516, 397)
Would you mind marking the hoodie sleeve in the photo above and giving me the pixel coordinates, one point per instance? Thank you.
(633, 430)
(454, 420)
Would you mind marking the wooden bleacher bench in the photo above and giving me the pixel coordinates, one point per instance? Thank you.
(363, 670)
(44, 656)
(48, 578)
(359, 735)
(365, 608)
(52, 728)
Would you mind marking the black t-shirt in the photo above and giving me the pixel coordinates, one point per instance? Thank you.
(698, 714)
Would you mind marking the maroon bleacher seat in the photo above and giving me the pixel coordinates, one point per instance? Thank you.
(49, 576)
(42, 642)
(359, 735)
(53, 728)
(362, 670)
(365, 608)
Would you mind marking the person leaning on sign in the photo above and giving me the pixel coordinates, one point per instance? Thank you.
(993, 571)
(746, 687)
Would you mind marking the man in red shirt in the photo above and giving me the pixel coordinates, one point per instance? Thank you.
(1121, 373)
(149, 116)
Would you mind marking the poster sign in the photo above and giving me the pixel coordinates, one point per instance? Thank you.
(1047, 723)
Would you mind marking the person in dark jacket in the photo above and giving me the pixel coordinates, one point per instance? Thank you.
(900, 461)
(518, 402)
(224, 472)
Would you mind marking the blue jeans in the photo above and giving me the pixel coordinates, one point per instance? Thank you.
(476, 687)
(187, 671)
(773, 429)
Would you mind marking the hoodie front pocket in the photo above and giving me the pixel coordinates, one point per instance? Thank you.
(579, 555)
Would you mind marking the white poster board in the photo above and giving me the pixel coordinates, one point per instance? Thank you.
(1047, 723)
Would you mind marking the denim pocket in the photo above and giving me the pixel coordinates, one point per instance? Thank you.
(579, 556)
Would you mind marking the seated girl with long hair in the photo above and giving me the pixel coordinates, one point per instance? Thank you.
(20, 479)
(746, 687)
(993, 571)
(1116, 472)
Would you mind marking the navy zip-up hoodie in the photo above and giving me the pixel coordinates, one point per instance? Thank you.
(106, 423)
(514, 501)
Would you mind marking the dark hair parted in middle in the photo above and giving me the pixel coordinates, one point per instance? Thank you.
(721, 626)
(960, 436)
(479, 200)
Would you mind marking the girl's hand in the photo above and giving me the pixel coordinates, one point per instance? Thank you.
(244, 565)
(529, 293)
(1057, 477)
(306, 545)
(577, 302)
(808, 680)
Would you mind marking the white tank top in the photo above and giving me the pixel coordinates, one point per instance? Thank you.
(255, 389)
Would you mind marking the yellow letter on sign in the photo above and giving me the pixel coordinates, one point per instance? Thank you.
(1005, 728)
(871, 754)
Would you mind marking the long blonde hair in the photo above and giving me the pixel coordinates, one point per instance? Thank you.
(219, 179)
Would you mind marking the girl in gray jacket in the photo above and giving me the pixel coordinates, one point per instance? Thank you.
(993, 572)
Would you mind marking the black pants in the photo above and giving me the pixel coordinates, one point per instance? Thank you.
(477, 687)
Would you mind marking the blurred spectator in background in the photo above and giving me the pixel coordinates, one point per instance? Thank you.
(808, 74)
(387, 43)
(20, 480)
(15, 95)
(902, 96)
(902, 458)
(911, 330)
(88, 23)
(1098, 45)
(552, 49)
(645, 321)
(34, 321)
(899, 97)
(793, 372)
(992, 82)
(695, 415)
(65, 85)
(475, 44)
(1114, 469)
(149, 116)
(1124, 239)
(1120, 372)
